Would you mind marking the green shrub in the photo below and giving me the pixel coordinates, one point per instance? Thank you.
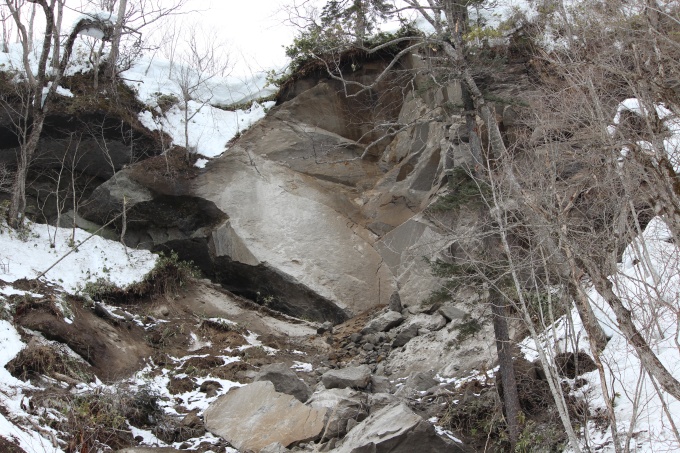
(101, 288)
(166, 278)
(319, 43)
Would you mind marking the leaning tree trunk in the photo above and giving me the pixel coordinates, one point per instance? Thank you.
(624, 319)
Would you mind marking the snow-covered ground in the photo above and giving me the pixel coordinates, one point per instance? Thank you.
(31, 253)
(35, 250)
(648, 279)
(28, 254)
(648, 282)
(209, 127)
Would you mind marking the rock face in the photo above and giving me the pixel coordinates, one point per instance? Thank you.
(395, 429)
(352, 377)
(294, 218)
(285, 381)
(255, 416)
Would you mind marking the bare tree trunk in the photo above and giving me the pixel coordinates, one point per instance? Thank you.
(5, 33)
(56, 51)
(506, 367)
(115, 40)
(624, 320)
(17, 207)
(31, 21)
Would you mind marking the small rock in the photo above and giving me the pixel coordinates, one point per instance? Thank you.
(355, 337)
(192, 420)
(285, 381)
(325, 327)
(351, 423)
(383, 323)
(395, 302)
(430, 322)
(352, 377)
(210, 388)
(422, 381)
(380, 384)
(161, 310)
(343, 405)
(275, 447)
(330, 445)
(405, 336)
(370, 338)
(450, 312)
(368, 347)
(377, 401)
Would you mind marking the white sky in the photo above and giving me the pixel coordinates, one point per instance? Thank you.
(253, 29)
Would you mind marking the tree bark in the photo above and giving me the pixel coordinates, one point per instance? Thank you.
(506, 368)
(17, 207)
(115, 40)
(624, 320)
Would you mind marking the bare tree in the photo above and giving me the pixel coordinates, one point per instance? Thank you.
(196, 67)
(37, 94)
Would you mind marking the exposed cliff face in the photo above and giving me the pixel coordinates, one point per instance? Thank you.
(293, 217)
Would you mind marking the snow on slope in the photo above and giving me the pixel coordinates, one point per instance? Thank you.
(96, 258)
(11, 397)
(209, 128)
(648, 282)
(25, 256)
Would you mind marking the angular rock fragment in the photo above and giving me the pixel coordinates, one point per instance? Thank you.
(424, 321)
(405, 336)
(285, 381)
(342, 405)
(450, 312)
(396, 429)
(383, 323)
(255, 416)
(352, 377)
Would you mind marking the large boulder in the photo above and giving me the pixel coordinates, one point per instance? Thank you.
(343, 405)
(285, 380)
(396, 429)
(255, 416)
(352, 377)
